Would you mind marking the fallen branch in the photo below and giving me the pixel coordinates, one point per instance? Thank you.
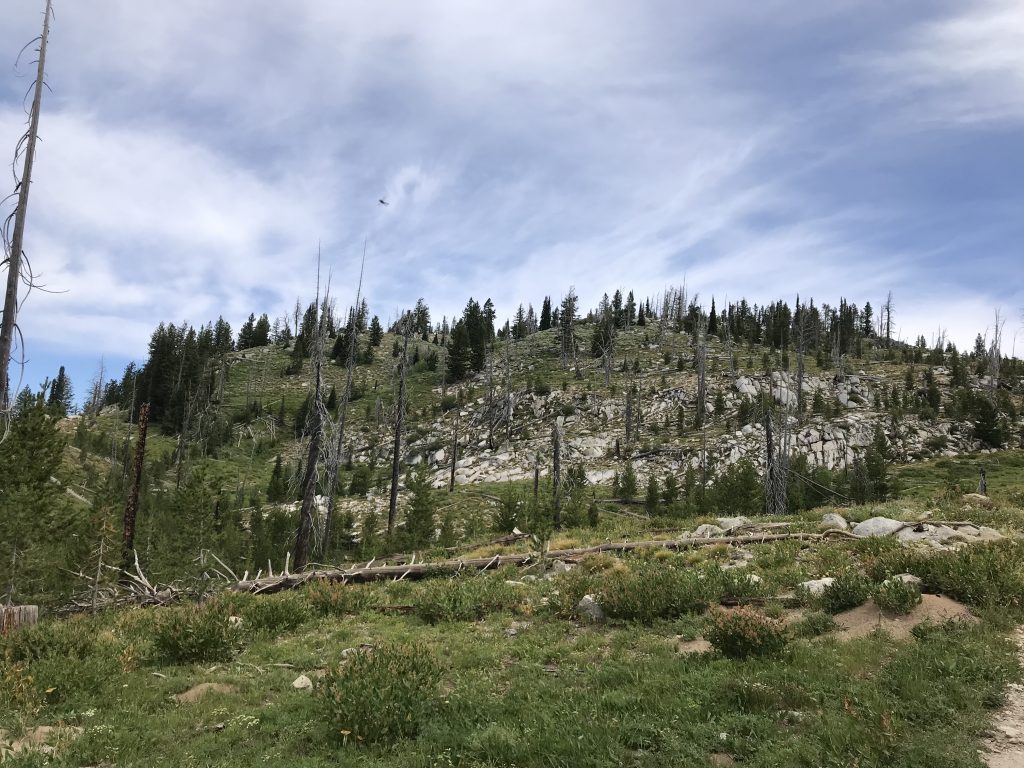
(450, 567)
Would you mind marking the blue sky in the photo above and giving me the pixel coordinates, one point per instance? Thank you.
(195, 152)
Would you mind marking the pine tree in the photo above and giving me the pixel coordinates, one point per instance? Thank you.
(653, 495)
(376, 332)
(628, 487)
(245, 335)
(261, 331)
(61, 394)
(277, 490)
(545, 314)
(419, 521)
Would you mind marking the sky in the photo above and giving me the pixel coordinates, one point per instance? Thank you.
(195, 156)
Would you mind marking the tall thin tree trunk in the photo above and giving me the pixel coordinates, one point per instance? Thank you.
(455, 452)
(556, 471)
(132, 507)
(399, 424)
(7, 323)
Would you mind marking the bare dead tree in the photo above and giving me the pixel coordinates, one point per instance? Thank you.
(132, 506)
(406, 324)
(455, 451)
(800, 334)
(315, 423)
(556, 471)
(995, 353)
(339, 452)
(628, 416)
(888, 310)
(18, 268)
(509, 394)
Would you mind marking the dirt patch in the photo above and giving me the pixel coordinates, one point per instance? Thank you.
(721, 760)
(196, 692)
(686, 647)
(46, 739)
(1005, 746)
(862, 621)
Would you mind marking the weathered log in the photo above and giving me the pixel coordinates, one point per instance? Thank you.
(14, 616)
(448, 567)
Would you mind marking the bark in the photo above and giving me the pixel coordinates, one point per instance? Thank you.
(399, 424)
(131, 508)
(14, 264)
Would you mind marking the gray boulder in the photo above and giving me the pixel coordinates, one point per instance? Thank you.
(877, 526)
(817, 586)
(832, 521)
(589, 608)
(707, 531)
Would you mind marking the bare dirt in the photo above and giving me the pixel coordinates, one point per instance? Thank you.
(196, 692)
(1005, 746)
(862, 621)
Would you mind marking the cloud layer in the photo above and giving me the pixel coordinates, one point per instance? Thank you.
(195, 155)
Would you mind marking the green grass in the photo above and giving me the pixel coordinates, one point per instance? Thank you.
(493, 674)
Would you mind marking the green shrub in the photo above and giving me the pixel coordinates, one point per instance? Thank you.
(328, 598)
(813, 624)
(449, 402)
(381, 695)
(464, 598)
(71, 640)
(194, 633)
(896, 596)
(744, 632)
(271, 614)
(983, 575)
(848, 591)
(648, 591)
(542, 388)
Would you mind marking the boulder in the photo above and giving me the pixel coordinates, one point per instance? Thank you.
(589, 608)
(302, 683)
(977, 500)
(817, 586)
(707, 531)
(832, 521)
(877, 526)
(728, 523)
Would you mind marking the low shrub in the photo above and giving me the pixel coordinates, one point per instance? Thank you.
(464, 598)
(542, 388)
(275, 613)
(328, 598)
(744, 632)
(381, 695)
(648, 591)
(814, 624)
(984, 575)
(896, 596)
(72, 640)
(849, 590)
(193, 633)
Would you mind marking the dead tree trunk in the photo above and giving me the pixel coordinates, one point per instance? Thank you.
(399, 424)
(132, 507)
(16, 246)
(556, 471)
(455, 451)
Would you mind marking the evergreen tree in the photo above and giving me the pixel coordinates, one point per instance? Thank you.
(246, 334)
(627, 483)
(653, 495)
(545, 314)
(419, 521)
(277, 490)
(261, 331)
(376, 332)
(61, 394)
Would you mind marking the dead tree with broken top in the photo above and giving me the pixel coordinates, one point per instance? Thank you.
(132, 506)
(19, 270)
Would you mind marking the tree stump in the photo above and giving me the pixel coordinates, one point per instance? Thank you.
(14, 616)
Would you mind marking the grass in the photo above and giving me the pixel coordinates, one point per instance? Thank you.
(483, 673)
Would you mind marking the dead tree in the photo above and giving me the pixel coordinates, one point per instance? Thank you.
(339, 452)
(995, 353)
(556, 471)
(399, 423)
(132, 507)
(567, 320)
(18, 269)
(455, 451)
(800, 333)
(315, 421)
(885, 320)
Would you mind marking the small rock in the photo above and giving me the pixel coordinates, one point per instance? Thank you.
(235, 621)
(832, 521)
(817, 586)
(877, 526)
(907, 578)
(977, 500)
(515, 583)
(707, 531)
(302, 683)
(589, 608)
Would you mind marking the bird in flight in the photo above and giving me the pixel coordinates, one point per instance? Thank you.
(383, 201)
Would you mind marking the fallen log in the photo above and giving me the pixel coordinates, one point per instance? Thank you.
(450, 567)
